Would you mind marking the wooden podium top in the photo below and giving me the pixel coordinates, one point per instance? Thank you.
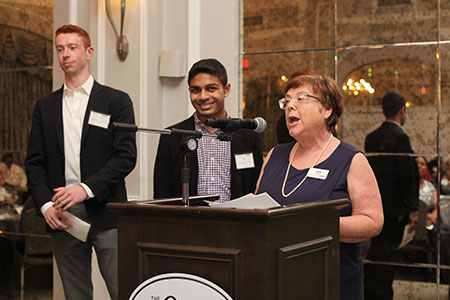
(148, 208)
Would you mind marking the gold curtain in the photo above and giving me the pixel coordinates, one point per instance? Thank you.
(25, 76)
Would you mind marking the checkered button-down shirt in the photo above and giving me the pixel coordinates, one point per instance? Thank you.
(214, 161)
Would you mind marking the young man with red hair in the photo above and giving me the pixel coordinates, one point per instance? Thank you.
(76, 163)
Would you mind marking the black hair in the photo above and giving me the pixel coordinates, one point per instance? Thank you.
(392, 103)
(210, 66)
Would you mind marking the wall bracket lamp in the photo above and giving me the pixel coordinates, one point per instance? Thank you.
(122, 45)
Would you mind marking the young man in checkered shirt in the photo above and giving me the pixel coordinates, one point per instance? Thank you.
(229, 169)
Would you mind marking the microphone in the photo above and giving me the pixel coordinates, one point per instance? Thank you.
(126, 127)
(231, 124)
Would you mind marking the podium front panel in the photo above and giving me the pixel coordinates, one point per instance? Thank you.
(158, 258)
(287, 253)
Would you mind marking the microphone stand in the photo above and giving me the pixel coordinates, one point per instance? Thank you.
(188, 144)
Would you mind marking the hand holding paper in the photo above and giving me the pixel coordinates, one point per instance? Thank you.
(55, 217)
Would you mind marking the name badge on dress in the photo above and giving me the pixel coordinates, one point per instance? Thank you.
(244, 161)
(317, 173)
(99, 119)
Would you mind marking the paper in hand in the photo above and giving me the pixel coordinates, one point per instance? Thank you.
(80, 228)
(407, 236)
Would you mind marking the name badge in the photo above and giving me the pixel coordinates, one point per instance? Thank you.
(317, 173)
(99, 119)
(244, 161)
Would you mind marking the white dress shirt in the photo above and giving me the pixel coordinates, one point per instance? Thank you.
(74, 109)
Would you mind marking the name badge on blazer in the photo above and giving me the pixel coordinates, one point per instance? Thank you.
(244, 161)
(99, 119)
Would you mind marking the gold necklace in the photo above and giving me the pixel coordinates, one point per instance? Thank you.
(304, 178)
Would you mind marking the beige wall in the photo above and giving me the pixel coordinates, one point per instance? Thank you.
(198, 28)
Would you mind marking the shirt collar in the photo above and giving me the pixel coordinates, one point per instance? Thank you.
(86, 87)
(197, 122)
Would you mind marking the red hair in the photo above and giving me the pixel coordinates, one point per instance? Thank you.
(75, 29)
(325, 88)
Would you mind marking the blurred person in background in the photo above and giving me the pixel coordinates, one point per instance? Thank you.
(427, 191)
(16, 179)
(397, 177)
(4, 194)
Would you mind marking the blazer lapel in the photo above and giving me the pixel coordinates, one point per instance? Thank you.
(236, 177)
(94, 99)
(58, 117)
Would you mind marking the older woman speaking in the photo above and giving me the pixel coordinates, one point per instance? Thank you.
(319, 167)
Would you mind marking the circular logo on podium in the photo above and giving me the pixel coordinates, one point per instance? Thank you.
(178, 286)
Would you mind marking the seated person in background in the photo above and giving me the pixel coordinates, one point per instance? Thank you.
(445, 178)
(445, 220)
(229, 169)
(427, 191)
(423, 247)
(15, 175)
(4, 194)
(317, 166)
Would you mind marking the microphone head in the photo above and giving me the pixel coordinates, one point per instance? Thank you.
(261, 124)
(211, 122)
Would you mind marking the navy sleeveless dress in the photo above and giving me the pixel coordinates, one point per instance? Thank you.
(332, 188)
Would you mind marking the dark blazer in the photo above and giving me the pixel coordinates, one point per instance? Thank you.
(106, 158)
(167, 172)
(397, 176)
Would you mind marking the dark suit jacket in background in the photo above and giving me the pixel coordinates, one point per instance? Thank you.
(397, 178)
(167, 172)
(106, 158)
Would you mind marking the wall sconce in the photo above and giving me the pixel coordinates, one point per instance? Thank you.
(122, 42)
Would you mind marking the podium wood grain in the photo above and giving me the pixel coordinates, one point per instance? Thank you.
(284, 253)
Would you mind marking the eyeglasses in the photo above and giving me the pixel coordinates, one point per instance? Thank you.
(299, 98)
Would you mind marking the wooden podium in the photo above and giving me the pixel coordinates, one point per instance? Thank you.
(283, 253)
